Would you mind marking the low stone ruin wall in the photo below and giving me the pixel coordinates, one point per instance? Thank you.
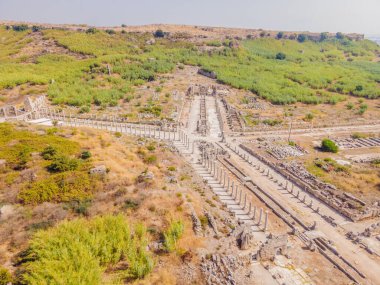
(346, 204)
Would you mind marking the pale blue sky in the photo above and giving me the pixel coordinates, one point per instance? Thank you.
(362, 16)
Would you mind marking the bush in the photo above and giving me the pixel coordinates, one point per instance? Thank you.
(339, 36)
(62, 187)
(159, 34)
(362, 109)
(5, 276)
(151, 159)
(110, 32)
(329, 146)
(172, 168)
(349, 106)
(20, 28)
(301, 38)
(280, 35)
(85, 155)
(91, 31)
(36, 28)
(79, 251)
(49, 153)
(323, 37)
(63, 163)
(359, 136)
(280, 56)
(173, 234)
(84, 109)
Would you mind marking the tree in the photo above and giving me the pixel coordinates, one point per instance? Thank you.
(329, 146)
(110, 32)
(20, 28)
(91, 31)
(339, 36)
(301, 38)
(359, 88)
(36, 28)
(262, 34)
(324, 36)
(159, 34)
(280, 56)
(280, 35)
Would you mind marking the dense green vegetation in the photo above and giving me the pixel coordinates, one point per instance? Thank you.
(79, 252)
(329, 146)
(280, 70)
(173, 234)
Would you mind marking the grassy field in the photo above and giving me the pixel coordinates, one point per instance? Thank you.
(309, 72)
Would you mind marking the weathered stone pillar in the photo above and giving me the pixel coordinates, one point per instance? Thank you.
(266, 221)
(260, 216)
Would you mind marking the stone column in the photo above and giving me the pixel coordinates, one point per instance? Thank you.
(260, 216)
(266, 221)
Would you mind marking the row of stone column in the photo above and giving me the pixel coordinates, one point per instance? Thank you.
(286, 185)
(234, 191)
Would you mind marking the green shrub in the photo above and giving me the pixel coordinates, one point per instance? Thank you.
(84, 109)
(280, 35)
(173, 234)
(172, 168)
(301, 38)
(130, 204)
(91, 31)
(20, 28)
(5, 276)
(329, 146)
(63, 163)
(159, 34)
(79, 251)
(49, 153)
(85, 155)
(362, 109)
(308, 117)
(280, 56)
(151, 159)
(359, 136)
(349, 106)
(62, 187)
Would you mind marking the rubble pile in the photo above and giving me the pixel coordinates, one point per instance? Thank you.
(254, 104)
(206, 90)
(219, 269)
(234, 120)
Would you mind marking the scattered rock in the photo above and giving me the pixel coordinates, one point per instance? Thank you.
(145, 176)
(101, 169)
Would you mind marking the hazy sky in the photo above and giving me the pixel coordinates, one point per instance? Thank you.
(362, 16)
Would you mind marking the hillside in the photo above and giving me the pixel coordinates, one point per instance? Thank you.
(46, 61)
